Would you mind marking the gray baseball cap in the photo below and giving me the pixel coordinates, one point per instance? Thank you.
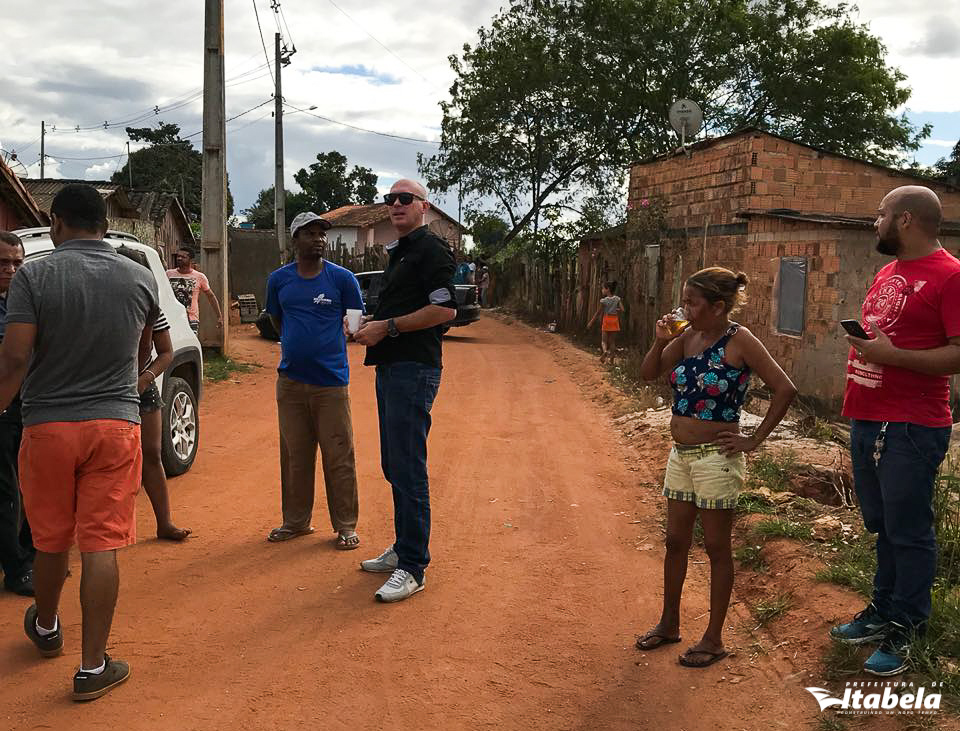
(306, 218)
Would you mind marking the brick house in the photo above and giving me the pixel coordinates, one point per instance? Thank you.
(359, 227)
(154, 217)
(796, 219)
(18, 209)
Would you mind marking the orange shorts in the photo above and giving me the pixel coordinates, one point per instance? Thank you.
(611, 324)
(80, 480)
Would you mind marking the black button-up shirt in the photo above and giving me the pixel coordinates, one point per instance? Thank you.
(419, 273)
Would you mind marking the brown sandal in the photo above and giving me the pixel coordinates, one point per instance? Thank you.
(278, 535)
(347, 541)
(653, 639)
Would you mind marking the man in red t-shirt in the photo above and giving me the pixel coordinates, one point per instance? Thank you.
(898, 401)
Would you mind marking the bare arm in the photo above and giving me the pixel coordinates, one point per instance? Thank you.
(769, 371)
(212, 298)
(373, 331)
(152, 370)
(14, 359)
(942, 361)
(594, 318)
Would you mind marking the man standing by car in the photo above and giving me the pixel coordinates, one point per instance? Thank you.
(404, 343)
(187, 284)
(14, 559)
(898, 398)
(307, 301)
(75, 322)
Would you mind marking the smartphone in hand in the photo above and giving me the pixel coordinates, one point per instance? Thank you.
(854, 328)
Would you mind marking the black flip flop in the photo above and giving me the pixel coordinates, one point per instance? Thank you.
(664, 640)
(713, 657)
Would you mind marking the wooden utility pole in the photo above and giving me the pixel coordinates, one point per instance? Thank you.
(213, 254)
(43, 140)
(129, 166)
(279, 193)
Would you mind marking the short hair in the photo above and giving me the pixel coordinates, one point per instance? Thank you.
(190, 252)
(921, 203)
(717, 284)
(81, 207)
(11, 239)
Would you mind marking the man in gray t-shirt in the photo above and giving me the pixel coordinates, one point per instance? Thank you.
(75, 321)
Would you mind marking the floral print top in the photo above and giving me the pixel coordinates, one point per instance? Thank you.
(706, 387)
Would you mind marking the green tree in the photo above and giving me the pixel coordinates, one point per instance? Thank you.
(948, 168)
(488, 231)
(324, 185)
(557, 97)
(169, 164)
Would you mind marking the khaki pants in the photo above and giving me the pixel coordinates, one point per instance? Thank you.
(311, 416)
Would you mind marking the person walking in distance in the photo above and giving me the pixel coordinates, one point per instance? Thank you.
(898, 402)
(709, 363)
(307, 301)
(187, 285)
(76, 320)
(403, 340)
(15, 560)
(610, 308)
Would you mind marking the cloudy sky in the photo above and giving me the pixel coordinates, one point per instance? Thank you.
(381, 67)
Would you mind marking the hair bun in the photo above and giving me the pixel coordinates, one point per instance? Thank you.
(742, 279)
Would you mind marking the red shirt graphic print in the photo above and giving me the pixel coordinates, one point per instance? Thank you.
(917, 305)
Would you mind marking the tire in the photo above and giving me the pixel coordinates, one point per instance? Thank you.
(181, 427)
(265, 326)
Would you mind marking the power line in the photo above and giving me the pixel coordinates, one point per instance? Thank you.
(363, 129)
(262, 42)
(384, 47)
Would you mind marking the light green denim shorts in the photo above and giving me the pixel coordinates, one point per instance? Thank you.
(702, 475)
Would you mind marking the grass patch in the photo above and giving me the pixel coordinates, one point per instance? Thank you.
(936, 656)
(767, 610)
(851, 563)
(817, 428)
(218, 367)
(827, 723)
(751, 557)
(782, 528)
(772, 471)
(753, 502)
(841, 661)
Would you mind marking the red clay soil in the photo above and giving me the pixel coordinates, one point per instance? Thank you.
(547, 550)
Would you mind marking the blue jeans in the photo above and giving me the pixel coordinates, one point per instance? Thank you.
(405, 394)
(896, 501)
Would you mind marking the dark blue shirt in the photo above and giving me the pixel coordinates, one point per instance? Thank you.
(3, 316)
(310, 312)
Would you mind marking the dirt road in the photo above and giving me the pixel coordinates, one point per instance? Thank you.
(547, 557)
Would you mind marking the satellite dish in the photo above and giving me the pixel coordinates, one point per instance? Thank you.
(686, 118)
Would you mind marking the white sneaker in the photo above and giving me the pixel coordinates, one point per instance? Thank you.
(382, 564)
(399, 586)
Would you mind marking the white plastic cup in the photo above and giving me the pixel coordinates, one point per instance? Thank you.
(353, 320)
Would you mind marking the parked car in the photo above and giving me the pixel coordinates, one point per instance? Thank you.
(181, 384)
(468, 308)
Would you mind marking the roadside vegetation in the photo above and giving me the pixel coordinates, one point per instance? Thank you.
(219, 367)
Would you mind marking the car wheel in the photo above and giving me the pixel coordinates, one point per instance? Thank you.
(181, 427)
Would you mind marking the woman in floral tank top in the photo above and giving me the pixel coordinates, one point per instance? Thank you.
(709, 363)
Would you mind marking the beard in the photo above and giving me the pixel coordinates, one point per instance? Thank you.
(889, 245)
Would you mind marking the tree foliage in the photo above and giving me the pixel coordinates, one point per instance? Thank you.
(324, 185)
(948, 168)
(557, 97)
(169, 164)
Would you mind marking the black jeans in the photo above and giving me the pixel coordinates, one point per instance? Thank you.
(896, 501)
(405, 394)
(14, 559)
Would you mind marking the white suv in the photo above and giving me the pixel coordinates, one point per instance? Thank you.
(181, 383)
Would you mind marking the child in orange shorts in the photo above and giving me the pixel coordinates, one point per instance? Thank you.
(610, 307)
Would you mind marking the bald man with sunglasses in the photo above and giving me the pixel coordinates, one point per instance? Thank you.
(403, 339)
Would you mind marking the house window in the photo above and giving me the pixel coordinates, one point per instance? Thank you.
(791, 295)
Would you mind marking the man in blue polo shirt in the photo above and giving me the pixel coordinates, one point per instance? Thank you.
(307, 301)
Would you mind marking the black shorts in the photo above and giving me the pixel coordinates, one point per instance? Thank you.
(150, 399)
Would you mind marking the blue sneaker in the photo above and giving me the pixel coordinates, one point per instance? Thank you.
(867, 626)
(893, 655)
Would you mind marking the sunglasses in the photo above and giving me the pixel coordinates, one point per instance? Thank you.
(405, 198)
